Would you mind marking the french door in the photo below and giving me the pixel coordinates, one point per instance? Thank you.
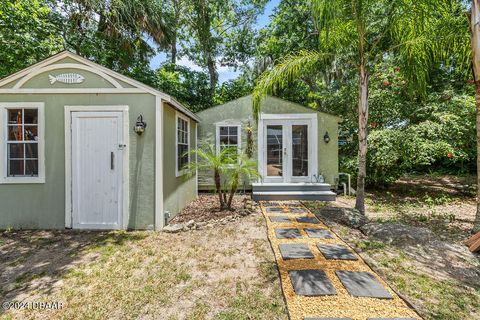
(288, 151)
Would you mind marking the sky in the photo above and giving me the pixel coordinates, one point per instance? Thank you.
(224, 73)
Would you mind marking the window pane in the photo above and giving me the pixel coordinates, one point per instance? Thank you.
(185, 137)
(31, 150)
(14, 133)
(182, 156)
(31, 168)
(223, 140)
(14, 116)
(31, 116)
(15, 150)
(233, 140)
(31, 133)
(300, 151)
(274, 151)
(232, 131)
(15, 168)
(223, 131)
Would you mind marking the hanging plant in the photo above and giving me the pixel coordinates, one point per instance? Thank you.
(249, 148)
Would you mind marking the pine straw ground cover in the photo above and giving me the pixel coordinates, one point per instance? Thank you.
(225, 272)
(341, 304)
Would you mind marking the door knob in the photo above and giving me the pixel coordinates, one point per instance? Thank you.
(112, 160)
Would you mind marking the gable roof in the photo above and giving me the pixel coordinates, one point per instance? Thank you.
(104, 72)
(339, 119)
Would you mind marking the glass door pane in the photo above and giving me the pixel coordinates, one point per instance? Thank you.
(274, 151)
(299, 150)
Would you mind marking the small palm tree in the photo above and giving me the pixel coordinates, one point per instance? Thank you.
(244, 168)
(208, 160)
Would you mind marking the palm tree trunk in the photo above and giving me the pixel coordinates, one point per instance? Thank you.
(218, 186)
(476, 224)
(233, 189)
(475, 29)
(362, 137)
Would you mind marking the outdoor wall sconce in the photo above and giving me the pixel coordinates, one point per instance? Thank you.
(326, 137)
(140, 126)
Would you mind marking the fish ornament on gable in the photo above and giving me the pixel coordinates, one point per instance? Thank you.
(68, 78)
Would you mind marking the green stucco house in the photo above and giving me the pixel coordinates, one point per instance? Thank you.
(296, 148)
(84, 147)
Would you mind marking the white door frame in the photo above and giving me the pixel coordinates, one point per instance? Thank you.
(68, 158)
(286, 120)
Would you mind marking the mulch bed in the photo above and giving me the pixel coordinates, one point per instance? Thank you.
(206, 208)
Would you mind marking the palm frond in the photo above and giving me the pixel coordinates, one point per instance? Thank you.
(289, 69)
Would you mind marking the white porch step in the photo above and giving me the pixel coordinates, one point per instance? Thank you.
(301, 186)
(293, 195)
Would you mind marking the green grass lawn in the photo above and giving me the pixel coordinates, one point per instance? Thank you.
(225, 272)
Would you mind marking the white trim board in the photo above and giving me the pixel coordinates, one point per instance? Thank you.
(179, 173)
(159, 215)
(101, 70)
(68, 159)
(52, 67)
(3, 142)
(288, 116)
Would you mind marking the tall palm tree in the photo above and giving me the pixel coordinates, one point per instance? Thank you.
(475, 42)
(356, 32)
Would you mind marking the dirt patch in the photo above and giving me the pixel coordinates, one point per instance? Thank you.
(206, 208)
(437, 274)
(226, 272)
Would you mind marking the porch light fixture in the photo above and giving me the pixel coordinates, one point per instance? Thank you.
(326, 137)
(140, 126)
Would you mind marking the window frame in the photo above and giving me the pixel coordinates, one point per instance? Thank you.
(239, 136)
(178, 115)
(4, 178)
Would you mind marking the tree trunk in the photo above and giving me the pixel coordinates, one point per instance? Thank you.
(218, 186)
(173, 52)
(212, 71)
(362, 138)
(475, 30)
(233, 189)
(476, 224)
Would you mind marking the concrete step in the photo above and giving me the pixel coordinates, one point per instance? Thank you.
(293, 195)
(263, 187)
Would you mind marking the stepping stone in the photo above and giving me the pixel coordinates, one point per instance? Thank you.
(319, 233)
(392, 319)
(274, 209)
(298, 210)
(295, 251)
(280, 219)
(307, 220)
(289, 233)
(363, 284)
(311, 283)
(336, 252)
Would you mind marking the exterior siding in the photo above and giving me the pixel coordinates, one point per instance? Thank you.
(43, 205)
(177, 191)
(240, 110)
